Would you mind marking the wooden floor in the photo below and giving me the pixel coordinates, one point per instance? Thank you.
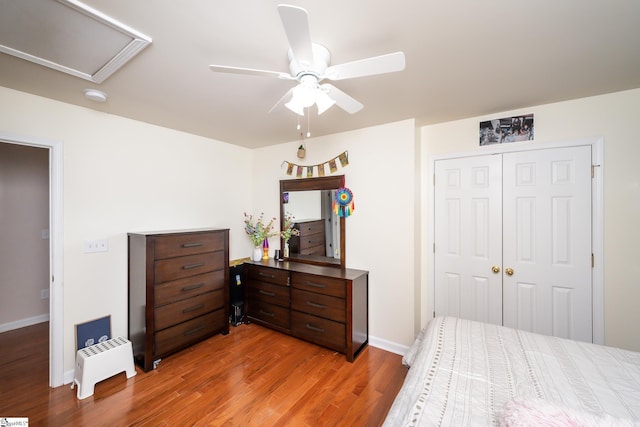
(251, 377)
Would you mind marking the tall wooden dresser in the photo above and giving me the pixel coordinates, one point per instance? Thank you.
(178, 290)
(324, 305)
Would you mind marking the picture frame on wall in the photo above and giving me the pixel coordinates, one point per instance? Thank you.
(508, 129)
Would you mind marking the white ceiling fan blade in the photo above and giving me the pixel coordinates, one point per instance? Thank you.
(343, 100)
(296, 25)
(281, 100)
(382, 64)
(249, 71)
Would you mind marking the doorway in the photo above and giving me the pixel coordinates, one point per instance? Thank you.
(56, 328)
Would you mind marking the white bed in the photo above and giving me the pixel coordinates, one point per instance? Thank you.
(463, 372)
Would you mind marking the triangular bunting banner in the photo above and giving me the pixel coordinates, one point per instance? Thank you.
(308, 171)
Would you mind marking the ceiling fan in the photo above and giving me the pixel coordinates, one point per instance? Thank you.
(309, 65)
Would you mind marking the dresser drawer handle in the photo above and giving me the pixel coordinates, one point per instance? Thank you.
(313, 328)
(192, 245)
(316, 305)
(270, 276)
(194, 308)
(316, 285)
(190, 266)
(192, 287)
(193, 331)
(269, 294)
(266, 313)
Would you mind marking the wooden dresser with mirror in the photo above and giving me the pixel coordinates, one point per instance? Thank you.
(311, 295)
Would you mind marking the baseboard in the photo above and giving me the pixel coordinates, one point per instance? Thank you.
(388, 345)
(17, 324)
(68, 377)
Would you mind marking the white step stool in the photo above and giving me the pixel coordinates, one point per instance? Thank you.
(101, 361)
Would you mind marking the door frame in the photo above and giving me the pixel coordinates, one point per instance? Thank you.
(56, 278)
(597, 222)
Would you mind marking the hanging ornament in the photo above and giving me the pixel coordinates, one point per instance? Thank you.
(343, 205)
(302, 150)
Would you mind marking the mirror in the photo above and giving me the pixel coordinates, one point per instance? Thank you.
(322, 233)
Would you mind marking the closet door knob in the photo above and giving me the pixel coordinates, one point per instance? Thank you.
(509, 271)
(495, 269)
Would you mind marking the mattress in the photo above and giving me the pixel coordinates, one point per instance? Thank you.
(463, 372)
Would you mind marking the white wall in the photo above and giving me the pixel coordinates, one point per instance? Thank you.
(614, 117)
(119, 176)
(380, 233)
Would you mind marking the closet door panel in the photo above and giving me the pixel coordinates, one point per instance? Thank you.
(547, 241)
(468, 238)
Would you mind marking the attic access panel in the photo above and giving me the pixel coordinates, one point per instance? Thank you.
(67, 36)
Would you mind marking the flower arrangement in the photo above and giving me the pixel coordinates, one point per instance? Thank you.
(288, 230)
(258, 232)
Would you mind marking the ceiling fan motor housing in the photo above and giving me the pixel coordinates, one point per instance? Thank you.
(321, 57)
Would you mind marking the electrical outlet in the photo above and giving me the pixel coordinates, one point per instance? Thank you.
(91, 246)
(44, 294)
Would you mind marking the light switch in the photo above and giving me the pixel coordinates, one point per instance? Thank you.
(91, 246)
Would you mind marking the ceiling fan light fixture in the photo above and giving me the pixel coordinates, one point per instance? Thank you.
(304, 96)
(323, 101)
(295, 107)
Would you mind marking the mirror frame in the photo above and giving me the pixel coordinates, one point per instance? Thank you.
(311, 184)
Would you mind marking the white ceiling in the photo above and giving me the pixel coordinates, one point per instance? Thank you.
(463, 58)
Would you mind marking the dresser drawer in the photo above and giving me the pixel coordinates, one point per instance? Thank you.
(310, 227)
(271, 275)
(269, 293)
(318, 330)
(310, 241)
(270, 313)
(189, 332)
(326, 306)
(177, 268)
(169, 292)
(319, 284)
(178, 312)
(188, 244)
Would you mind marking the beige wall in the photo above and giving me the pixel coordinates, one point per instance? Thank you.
(615, 118)
(119, 176)
(380, 234)
(24, 253)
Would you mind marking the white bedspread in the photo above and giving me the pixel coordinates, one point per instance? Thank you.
(464, 373)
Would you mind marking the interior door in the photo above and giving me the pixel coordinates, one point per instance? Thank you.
(468, 238)
(513, 240)
(547, 247)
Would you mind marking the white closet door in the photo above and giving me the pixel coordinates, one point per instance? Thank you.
(468, 238)
(547, 241)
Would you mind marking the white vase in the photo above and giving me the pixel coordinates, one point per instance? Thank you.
(257, 253)
(286, 249)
